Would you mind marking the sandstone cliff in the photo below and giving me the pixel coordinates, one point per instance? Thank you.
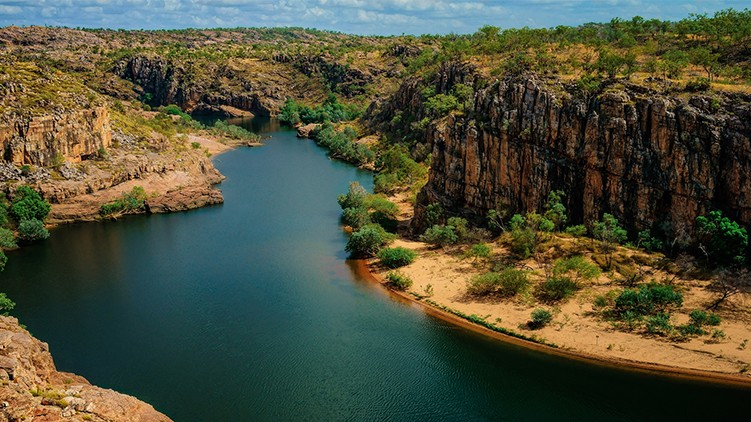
(32, 389)
(45, 140)
(654, 161)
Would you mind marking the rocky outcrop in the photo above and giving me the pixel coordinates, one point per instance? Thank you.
(652, 160)
(31, 388)
(166, 82)
(46, 140)
(184, 199)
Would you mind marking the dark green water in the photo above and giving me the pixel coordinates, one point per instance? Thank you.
(249, 311)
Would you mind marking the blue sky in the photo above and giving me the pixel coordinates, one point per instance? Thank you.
(381, 17)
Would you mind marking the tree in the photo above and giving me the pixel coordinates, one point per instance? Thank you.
(555, 211)
(367, 241)
(31, 230)
(354, 198)
(355, 217)
(721, 239)
(729, 283)
(28, 205)
(610, 233)
(702, 56)
(7, 239)
(6, 304)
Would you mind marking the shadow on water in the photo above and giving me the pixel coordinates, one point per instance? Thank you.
(249, 311)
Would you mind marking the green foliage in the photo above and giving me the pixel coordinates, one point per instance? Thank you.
(7, 239)
(195, 145)
(508, 282)
(578, 230)
(398, 281)
(698, 85)
(6, 304)
(226, 130)
(128, 202)
(28, 205)
(355, 217)
(32, 230)
(479, 250)
(649, 299)
(330, 111)
(555, 211)
(367, 241)
(3, 260)
(342, 145)
(354, 198)
(721, 239)
(396, 170)
(441, 104)
(382, 211)
(577, 268)
(433, 214)
(649, 243)
(540, 318)
(396, 257)
(440, 235)
(609, 232)
(659, 323)
(556, 289)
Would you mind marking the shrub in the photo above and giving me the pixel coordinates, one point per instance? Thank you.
(577, 268)
(691, 330)
(355, 217)
(609, 232)
(128, 202)
(354, 198)
(698, 85)
(648, 300)
(722, 239)
(6, 304)
(555, 211)
(399, 281)
(440, 235)
(7, 239)
(507, 283)
(396, 257)
(459, 225)
(523, 242)
(29, 205)
(3, 260)
(578, 230)
(367, 241)
(31, 230)
(195, 145)
(556, 289)
(649, 243)
(540, 318)
(478, 250)
(659, 324)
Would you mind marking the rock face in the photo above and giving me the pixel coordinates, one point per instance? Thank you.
(653, 161)
(32, 389)
(43, 140)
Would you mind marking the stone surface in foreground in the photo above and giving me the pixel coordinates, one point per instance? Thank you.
(31, 388)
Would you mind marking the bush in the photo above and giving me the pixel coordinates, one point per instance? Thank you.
(556, 289)
(540, 318)
(399, 281)
(722, 239)
(355, 217)
(7, 239)
(31, 230)
(507, 283)
(698, 85)
(478, 250)
(128, 202)
(6, 304)
(701, 318)
(3, 260)
(440, 235)
(659, 324)
(29, 205)
(396, 257)
(648, 300)
(523, 242)
(354, 198)
(578, 230)
(367, 241)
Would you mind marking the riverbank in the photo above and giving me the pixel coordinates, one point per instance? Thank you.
(566, 345)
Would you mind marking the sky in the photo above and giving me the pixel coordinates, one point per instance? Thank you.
(367, 17)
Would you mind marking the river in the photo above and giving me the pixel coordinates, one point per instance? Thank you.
(250, 311)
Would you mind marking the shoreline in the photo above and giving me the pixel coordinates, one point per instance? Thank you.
(365, 269)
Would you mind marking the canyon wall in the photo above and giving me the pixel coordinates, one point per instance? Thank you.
(45, 140)
(654, 161)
